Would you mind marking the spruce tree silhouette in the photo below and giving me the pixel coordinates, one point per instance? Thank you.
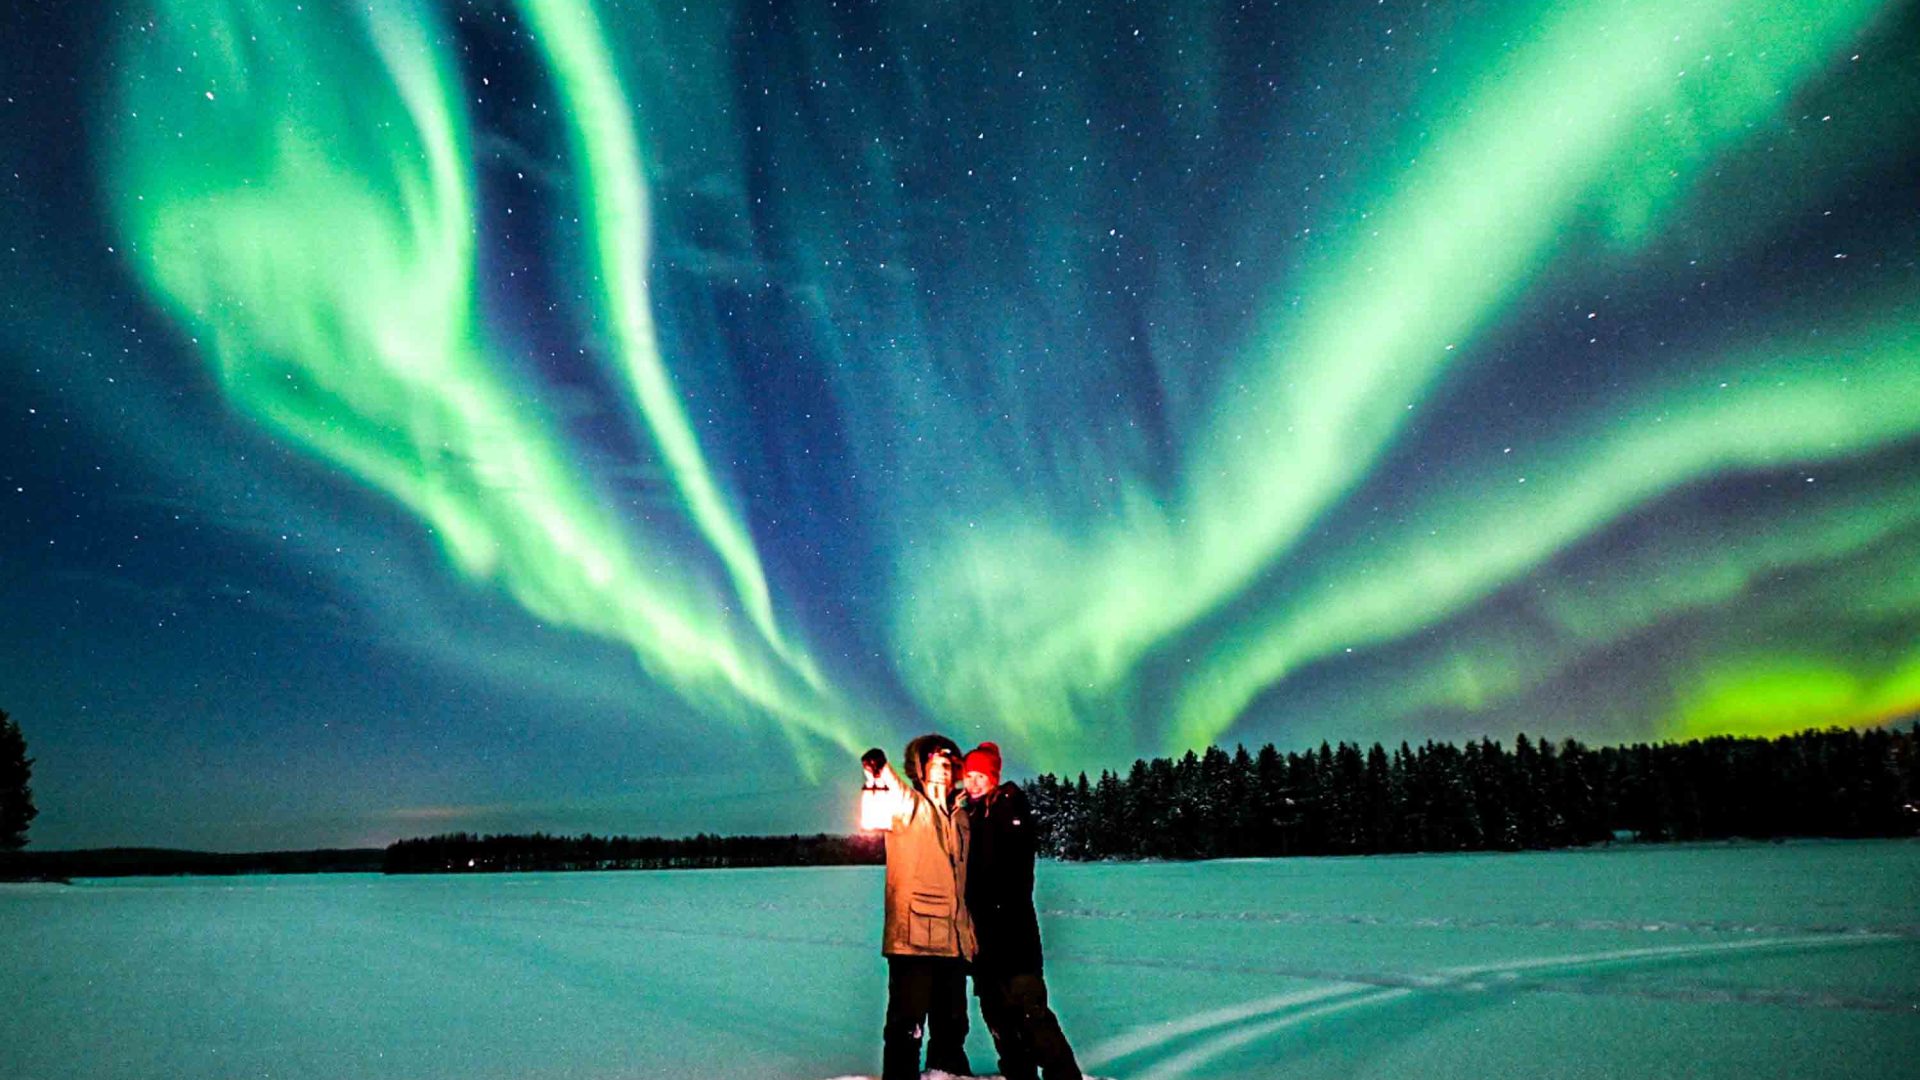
(16, 792)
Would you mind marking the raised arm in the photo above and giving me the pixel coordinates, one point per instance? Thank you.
(882, 796)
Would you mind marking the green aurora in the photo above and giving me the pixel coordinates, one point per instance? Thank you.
(1080, 552)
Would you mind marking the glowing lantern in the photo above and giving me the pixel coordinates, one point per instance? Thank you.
(876, 804)
(879, 796)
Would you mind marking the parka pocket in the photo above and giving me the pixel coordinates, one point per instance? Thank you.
(930, 921)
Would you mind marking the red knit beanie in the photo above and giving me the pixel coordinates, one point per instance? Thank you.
(984, 758)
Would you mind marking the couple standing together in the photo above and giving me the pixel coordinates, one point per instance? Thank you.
(959, 901)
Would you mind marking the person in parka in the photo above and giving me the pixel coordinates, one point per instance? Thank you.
(926, 935)
(999, 889)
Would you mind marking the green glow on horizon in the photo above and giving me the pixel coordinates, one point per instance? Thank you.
(1765, 699)
(298, 197)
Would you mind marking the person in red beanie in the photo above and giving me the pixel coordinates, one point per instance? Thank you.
(1007, 974)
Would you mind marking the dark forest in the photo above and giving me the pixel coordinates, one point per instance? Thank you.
(1345, 800)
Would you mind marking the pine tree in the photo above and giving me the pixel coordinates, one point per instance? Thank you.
(1189, 807)
(1346, 826)
(1136, 814)
(1076, 806)
(1488, 768)
(1239, 823)
(1454, 821)
(1580, 795)
(1409, 811)
(1376, 803)
(1156, 810)
(1526, 795)
(16, 790)
(1310, 799)
(1043, 797)
(1213, 789)
(1273, 806)
(1105, 829)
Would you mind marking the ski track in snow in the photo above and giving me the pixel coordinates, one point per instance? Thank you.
(1254, 1020)
(1427, 922)
(1342, 992)
(1345, 991)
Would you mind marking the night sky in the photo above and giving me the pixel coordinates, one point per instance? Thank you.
(544, 415)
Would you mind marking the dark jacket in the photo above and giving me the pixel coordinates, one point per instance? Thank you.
(926, 870)
(1000, 882)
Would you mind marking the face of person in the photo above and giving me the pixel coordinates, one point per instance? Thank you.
(977, 784)
(940, 768)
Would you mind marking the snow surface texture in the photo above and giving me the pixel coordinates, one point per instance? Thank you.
(1747, 961)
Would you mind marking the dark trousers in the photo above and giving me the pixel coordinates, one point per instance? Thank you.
(925, 993)
(1025, 1032)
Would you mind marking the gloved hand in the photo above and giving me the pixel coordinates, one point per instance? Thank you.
(874, 760)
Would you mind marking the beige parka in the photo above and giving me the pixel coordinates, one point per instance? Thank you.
(926, 911)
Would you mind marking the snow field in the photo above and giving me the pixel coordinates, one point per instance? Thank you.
(1746, 961)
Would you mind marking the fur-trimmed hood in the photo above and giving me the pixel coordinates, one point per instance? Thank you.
(913, 761)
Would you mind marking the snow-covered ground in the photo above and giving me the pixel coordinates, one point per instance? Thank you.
(1797, 960)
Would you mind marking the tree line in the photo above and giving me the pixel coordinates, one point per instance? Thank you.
(1334, 800)
(1345, 800)
(468, 853)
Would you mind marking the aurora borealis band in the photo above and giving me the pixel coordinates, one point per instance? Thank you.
(616, 416)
